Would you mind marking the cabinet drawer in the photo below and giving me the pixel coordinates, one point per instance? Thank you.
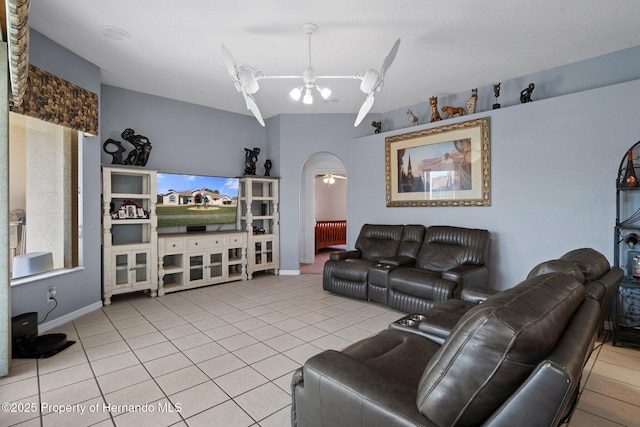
(208, 243)
(235, 240)
(173, 245)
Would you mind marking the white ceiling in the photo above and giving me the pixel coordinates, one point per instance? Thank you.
(447, 46)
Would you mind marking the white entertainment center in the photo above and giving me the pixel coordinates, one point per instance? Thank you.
(137, 258)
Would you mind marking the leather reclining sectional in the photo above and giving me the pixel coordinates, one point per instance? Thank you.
(515, 359)
(411, 268)
(588, 266)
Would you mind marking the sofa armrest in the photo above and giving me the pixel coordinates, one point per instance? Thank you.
(467, 275)
(338, 390)
(397, 261)
(476, 294)
(339, 256)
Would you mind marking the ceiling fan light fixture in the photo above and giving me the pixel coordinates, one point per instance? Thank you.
(325, 92)
(296, 93)
(307, 99)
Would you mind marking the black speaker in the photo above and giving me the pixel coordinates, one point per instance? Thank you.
(26, 343)
(196, 228)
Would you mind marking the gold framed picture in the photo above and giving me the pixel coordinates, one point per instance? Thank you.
(443, 166)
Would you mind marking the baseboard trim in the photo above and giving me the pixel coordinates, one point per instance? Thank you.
(52, 324)
(289, 272)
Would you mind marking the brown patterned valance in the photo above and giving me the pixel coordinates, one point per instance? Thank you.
(58, 101)
(18, 36)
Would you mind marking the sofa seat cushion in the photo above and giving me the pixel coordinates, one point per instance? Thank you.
(381, 353)
(355, 270)
(419, 283)
(494, 347)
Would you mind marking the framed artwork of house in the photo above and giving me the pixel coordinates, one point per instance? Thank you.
(443, 166)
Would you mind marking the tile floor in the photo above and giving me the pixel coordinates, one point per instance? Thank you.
(224, 355)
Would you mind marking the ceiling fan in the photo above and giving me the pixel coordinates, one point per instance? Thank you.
(330, 177)
(245, 79)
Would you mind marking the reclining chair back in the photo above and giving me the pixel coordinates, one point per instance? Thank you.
(412, 238)
(495, 347)
(446, 247)
(377, 241)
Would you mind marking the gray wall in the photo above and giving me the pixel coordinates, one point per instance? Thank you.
(82, 288)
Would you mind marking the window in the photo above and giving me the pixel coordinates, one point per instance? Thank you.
(43, 189)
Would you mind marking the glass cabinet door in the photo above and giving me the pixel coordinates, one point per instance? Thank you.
(196, 267)
(215, 265)
(121, 269)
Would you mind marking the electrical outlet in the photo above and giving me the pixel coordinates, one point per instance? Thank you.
(51, 293)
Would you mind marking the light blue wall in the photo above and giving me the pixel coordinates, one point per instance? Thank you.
(553, 163)
(553, 170)
(186, 138)
(82, 288)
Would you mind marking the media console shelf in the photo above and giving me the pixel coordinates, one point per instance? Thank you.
(187, 261)
(129, 236)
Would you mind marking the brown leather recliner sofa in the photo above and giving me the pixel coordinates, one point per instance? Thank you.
(516, 359)
(410, 267)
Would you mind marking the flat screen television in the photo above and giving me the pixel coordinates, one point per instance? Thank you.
(185, 200)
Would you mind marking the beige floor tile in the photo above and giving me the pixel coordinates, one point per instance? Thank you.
(302, 352)
(222, 332)
(235, 342)
(30, 410)
(250, 324)
(227, 414)
(284, 342)
(210, 323)
(167, 364)
(240, 381)
(100, 328)
(191, 341)
(581, 418)
(101, 339)
(275, 317)
(331, 342)
(284, 382)
(145, 340)
(199, 398)
(254, 352)
(138, 394)
(275, 366)
(263, 401)
(61, 361)
(309, 333)
(616, 389)
(71, 394)
(163, 414)
(182, 379)
(180, 331)
(289, 325)
(221, 365)
(136, 331)
(86, 413)
(123, 378)
(138, 320)
(18, 372)
(265, 332)
(353, 333)
(609, 408)
(205, 352)
(114, 363)
(64, 377)
(617, 372)
(107, 350)
(155, 351)
(279, 419)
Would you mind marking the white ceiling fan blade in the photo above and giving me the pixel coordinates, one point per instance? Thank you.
(366, 107)
(253, 107)
(248, 79)
(229, 62)
(388, 60)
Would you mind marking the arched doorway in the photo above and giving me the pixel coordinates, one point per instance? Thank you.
(317, 165)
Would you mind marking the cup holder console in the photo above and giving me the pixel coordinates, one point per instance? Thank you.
(410, 322)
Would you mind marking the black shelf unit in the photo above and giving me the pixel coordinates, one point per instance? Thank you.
(626, 309)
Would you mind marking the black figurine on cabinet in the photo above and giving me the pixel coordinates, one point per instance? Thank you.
(525, 94)
(250, 160)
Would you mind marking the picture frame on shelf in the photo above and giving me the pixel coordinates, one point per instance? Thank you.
(443, 166)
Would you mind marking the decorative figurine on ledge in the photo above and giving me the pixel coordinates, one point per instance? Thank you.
(472, 101)
(250, 159)
(139, 156)
(377, 126)
(267, 167)
(413, 120)
(525, 95)
(435, 115)
(452, 111)
(496, 94)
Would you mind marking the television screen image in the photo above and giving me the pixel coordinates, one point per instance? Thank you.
(196, 200)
